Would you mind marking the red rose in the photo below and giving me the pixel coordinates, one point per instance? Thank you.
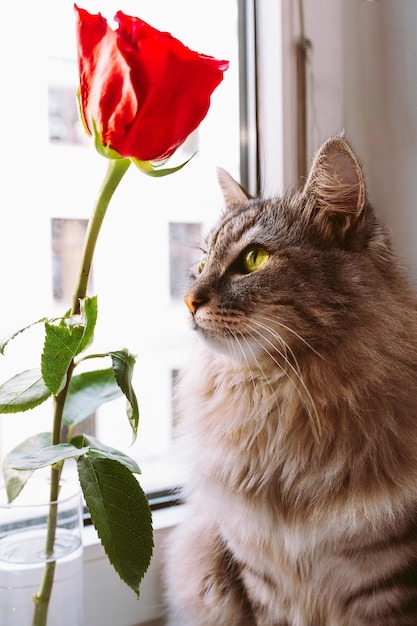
(144, 91)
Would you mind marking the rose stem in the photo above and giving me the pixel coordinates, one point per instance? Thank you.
(116, 169)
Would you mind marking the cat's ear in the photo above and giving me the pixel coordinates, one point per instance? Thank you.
(233, 193)
(335, 190)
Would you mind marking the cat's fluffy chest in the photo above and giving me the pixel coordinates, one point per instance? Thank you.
(231, 419)
(251, 443)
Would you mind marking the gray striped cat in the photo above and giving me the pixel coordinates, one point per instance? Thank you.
(299, 415)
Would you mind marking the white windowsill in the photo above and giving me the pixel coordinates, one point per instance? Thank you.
(108, 601)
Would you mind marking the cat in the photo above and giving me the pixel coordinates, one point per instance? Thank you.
(299, 415)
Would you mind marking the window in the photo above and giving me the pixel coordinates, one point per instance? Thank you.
(67, 245)
(150, 235)
(184, 241)
(63, 119)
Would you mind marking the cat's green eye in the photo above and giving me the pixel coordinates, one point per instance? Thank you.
(255, 258)
(202, 262)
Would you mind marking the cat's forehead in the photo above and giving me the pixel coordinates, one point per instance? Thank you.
(257, 222)
(237, 226)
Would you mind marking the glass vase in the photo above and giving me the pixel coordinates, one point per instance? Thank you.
(23, 528)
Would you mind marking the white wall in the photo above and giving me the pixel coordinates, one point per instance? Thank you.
(362, 79)
(323, 27)
(380, 109)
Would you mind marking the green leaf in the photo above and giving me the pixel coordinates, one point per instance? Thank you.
(61, 345)
(120, 513)
(99, 449)
(157, 171)
(23, 392)
(17, 479)
(123, 364)
(87, 392)
(5, 340)
(31, 458)
(89, 308)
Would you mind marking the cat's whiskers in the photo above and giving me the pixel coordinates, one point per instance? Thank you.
(236, 342)
(280, 339)
(312, 412)
(292, 331)
(259, 366)
(237, 338)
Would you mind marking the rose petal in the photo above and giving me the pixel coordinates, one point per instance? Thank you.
(145, 90)
(107, 95)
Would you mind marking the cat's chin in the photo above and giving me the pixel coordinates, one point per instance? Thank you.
(238, 352)
(216, 342)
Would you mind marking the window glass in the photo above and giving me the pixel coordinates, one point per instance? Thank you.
(184, 242)
(67, 239)
(150, 234)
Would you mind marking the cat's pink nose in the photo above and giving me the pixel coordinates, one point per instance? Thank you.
(192, 302)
